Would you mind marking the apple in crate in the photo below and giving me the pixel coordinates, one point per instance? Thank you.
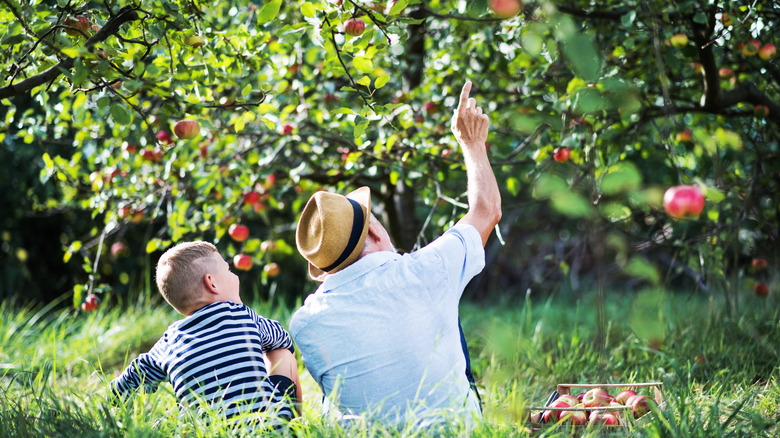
(623, 396)
(569, 399)
(596, 397)
(552, 416)
(640, 405)
(574, 417)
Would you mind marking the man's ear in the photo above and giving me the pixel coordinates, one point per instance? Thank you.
(210, 282)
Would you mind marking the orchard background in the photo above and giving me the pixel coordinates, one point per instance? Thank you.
(589, 279)
(95, 183)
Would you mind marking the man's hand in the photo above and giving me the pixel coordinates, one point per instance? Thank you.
(469, 125)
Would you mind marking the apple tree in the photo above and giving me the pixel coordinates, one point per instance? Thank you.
(596, 109)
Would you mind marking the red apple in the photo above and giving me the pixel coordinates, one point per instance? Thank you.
(580, 396)
(90, 303)
(759, 264)
(268, 245)
(164, 137)
(596, 397)
(679, 40)
(194, 40)
(429, 107)
(623, 396)
(726, 73)
(552, 416)
(354, 26)
(640, 405)
(568, 399)
(574, 417)
(238, 232)
(767, 52)
(80, 22)
(287, 129)
(761, 289)
(726, 20)
(683, 202)
(761, 111)
(204, 151)
(561, 155)
(242, 262)
(750, 48)
(151, 155)
(505, 8)
(186, 129)
(270, 181)
(129, 148)
(118, 249)
(251, 198)
(602, 418)
(272, 269)
(684, 136)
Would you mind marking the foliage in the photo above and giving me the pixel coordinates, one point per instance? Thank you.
(720, 373)
(288, 103)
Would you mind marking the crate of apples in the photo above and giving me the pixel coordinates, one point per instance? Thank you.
(597, 405)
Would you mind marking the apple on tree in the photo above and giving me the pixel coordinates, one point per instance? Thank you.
(90, 303)
(685, 136)
(272, 269)
(759, 264)
(679, 40)
(761, 289)
(194, 40)
(164, 137)
(562, 155)
(118, 249)
(750, 48)
(761, 111)
(251, 198)
(354, 26)
(505, 8)
(238, 232)
(683, 202)
(767, 52)
(79, 22)
(242, 262)
(186, 129)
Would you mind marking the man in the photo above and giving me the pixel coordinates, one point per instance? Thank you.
(381, 334)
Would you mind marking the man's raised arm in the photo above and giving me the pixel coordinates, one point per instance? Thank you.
(470, 127)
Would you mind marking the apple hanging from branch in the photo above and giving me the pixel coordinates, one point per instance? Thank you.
(186, 129)
(354, 27)
(242, 262)
(683, 202)
(238, 232)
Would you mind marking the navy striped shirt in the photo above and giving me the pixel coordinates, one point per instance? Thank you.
(214, 356)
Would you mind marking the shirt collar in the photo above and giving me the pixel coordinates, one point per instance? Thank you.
(356, 270)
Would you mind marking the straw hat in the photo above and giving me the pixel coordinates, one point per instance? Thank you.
(332, 230)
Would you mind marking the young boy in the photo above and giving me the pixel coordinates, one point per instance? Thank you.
(222, 354)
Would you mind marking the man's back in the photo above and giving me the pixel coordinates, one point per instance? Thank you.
(383, 335)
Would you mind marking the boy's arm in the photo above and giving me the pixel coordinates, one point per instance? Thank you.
(282, 362)
(143, 370)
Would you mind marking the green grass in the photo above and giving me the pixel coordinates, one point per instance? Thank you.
(720, 372)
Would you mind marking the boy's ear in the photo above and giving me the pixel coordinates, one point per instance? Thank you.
(210, 282)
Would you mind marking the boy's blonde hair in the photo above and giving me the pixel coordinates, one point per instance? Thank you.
(180, 272)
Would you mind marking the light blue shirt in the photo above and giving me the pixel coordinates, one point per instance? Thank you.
(381, 336)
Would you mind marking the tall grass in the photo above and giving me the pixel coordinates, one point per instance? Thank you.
(720, 373)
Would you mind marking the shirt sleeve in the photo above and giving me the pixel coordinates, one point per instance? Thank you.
(458, 255)
(273, 335)
(144, 370)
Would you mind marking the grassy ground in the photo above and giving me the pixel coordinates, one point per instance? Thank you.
(720, 372)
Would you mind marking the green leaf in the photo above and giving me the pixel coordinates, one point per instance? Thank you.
(572, 204)
(360, 128)
(308, 10)
(364, 81)
(269, 11)
(622, 177)
(363, 64)
(120, 115)
(381, 81)
(581, 52)
(247, 90)
(398, 7)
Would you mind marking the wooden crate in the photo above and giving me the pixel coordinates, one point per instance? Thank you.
(624, 420)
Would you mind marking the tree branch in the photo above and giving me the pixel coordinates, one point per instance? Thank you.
(110, 28)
